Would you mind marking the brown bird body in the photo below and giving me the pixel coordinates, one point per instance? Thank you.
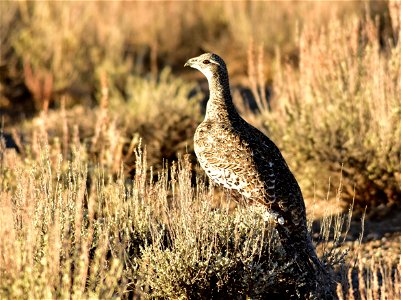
(238, 156)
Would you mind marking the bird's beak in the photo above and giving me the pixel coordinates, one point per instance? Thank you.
(188, 63)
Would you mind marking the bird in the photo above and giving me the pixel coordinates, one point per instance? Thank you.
(240, 157)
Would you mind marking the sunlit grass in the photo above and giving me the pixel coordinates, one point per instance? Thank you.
(71, 228)
(87, 212)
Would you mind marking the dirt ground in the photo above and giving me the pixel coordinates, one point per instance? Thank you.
(381, 230)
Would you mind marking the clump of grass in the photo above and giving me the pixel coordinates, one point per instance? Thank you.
(73, 228)
(162, 113)
(92, 36)
(340, 111)
(372, 279)
(209, 253)
(69, 228)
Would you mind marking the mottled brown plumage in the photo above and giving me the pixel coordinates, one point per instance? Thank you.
(238, 156)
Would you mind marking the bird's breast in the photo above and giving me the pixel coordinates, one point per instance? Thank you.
(214, 138)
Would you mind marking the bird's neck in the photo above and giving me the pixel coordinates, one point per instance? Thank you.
(220, 104)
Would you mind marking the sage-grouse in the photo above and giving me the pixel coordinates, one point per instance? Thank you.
(240, 157)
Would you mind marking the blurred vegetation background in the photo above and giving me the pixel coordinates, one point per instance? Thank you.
(85, 87)
(321, 78)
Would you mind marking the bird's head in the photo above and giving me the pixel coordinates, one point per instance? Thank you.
(209, 64)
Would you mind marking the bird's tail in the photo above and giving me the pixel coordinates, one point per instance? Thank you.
(298, 245)
(309, 273)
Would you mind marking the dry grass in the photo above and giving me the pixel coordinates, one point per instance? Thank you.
(73, 224)
(341, 112)
(70, 228)
(78, 40)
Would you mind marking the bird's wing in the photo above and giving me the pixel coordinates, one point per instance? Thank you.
(227, 160)
(242, 158)
(283, 192)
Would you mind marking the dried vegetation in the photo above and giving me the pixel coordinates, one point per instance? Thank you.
(87, 212)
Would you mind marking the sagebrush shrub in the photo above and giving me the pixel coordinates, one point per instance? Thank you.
(340, 112)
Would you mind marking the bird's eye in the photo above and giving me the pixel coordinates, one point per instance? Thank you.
(206, 62)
